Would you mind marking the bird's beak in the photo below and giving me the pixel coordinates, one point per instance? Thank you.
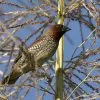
(68, 29)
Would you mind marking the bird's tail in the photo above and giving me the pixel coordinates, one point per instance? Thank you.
(11, 78)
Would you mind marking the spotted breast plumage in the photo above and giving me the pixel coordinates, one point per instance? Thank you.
(39, 52)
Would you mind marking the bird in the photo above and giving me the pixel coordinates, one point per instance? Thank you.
(37, 53)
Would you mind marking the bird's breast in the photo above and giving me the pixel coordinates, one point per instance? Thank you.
(43, 50)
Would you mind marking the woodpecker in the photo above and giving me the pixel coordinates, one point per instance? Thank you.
(39, 52)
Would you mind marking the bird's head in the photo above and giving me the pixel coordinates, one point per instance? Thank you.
(56, 31)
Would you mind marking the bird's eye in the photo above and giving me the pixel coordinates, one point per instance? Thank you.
(64, 28)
